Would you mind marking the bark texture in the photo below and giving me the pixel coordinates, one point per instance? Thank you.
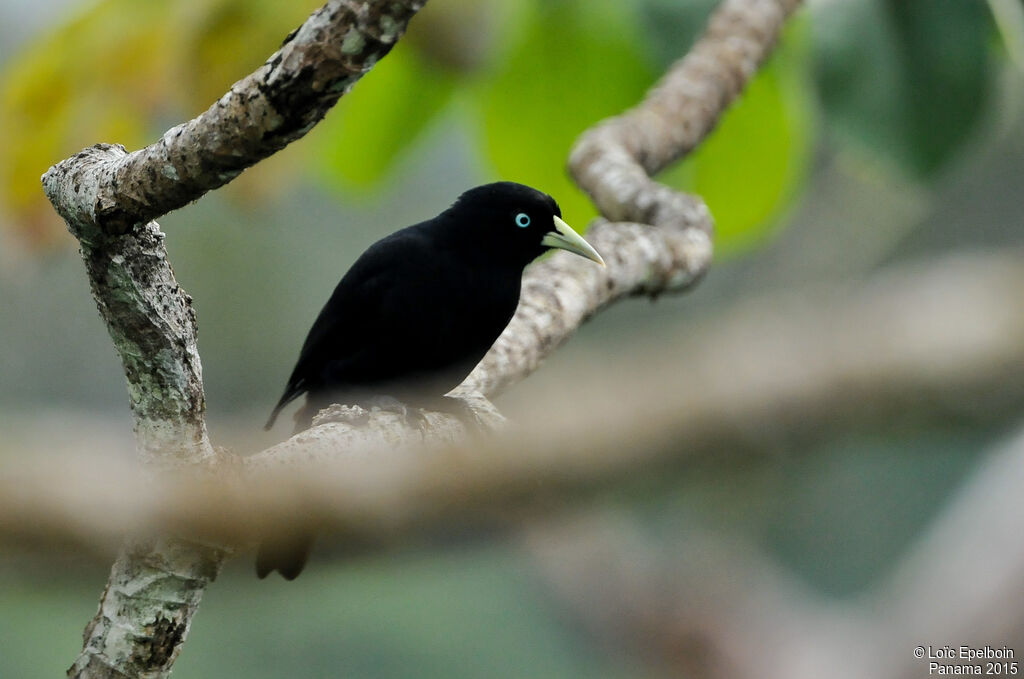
(149, 317)
(109, 197)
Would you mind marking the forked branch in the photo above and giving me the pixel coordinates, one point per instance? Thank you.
(109, 198)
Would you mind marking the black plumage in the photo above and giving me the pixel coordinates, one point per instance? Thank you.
(419, 309)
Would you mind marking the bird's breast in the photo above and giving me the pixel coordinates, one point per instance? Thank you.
(476, 305)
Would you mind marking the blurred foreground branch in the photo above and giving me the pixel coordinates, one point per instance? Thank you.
(772, 375)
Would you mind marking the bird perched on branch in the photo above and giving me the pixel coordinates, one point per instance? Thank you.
(417, 312)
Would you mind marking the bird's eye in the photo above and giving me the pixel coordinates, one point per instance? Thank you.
(522, 220)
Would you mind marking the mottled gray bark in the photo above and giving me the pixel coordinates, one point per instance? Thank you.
(109, 198)
(149, 317)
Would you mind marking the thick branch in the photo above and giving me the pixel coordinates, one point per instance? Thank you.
(109, 198)
(150, 319)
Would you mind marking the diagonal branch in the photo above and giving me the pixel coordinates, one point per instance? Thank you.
(261, 114)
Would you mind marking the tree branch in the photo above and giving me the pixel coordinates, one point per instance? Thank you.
(261, 114)
(108, 198)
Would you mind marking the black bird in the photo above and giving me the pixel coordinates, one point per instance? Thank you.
(418, 310)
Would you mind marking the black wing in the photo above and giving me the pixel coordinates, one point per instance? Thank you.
(347, 324)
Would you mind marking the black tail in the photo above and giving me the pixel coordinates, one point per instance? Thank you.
(277, 411)
(294, 390)
(288, 556)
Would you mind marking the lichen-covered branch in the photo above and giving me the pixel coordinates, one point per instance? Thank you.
(109, 199)
(149, 317)
(154, 585)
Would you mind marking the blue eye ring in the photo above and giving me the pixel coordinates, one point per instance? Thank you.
(522, 220)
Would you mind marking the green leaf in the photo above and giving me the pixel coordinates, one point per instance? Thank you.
(1009, 17)
(575, 63)
(905, 81)
(385, 112)
(755, 162)
(92, 79)
(225, 40)
(116, 70)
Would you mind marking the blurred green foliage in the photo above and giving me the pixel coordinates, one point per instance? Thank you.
(754, 163)
(77, 85)
(365, 137)
(905, 82)
(120, 71)
(1009, 17)
(577, 62)
(670, 26)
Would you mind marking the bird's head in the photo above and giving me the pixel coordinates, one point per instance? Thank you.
(516, 222)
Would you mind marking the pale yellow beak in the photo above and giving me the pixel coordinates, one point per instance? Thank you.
(564, 238)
